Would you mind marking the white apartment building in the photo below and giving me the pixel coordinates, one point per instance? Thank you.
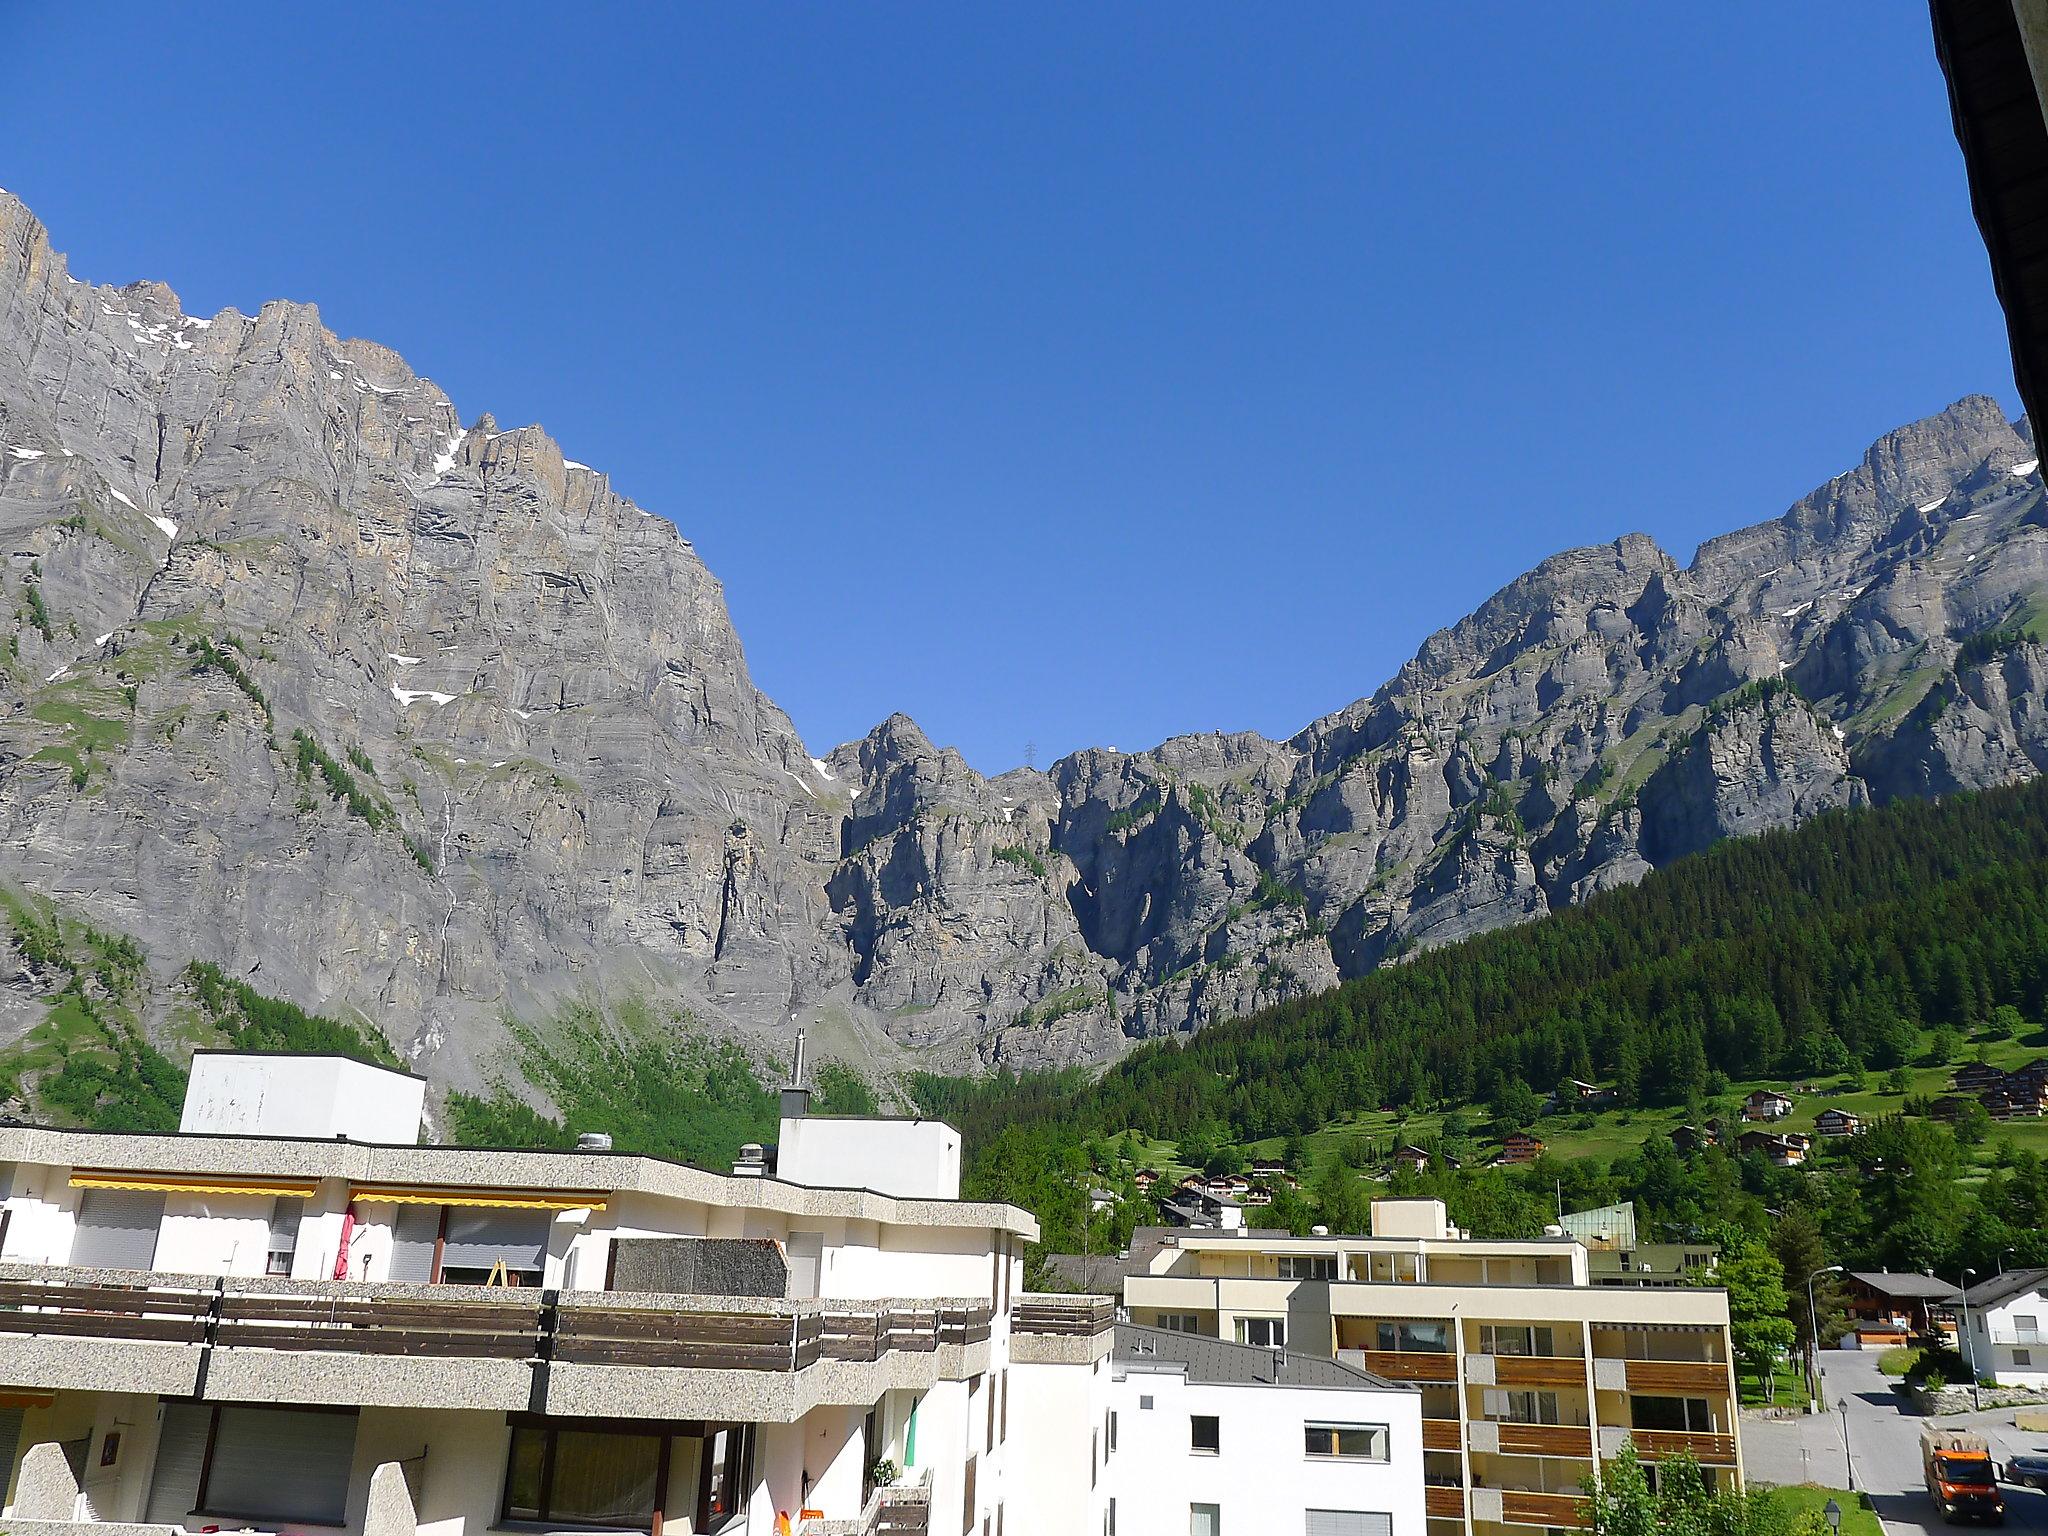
(2007, 1336)
(1529, 1375)
(1188, 1436)
(290, 1317)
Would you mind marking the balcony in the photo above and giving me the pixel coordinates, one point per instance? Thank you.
(1706, 1447)
(889, 1512)
(1566, 1510)
(1445, 1502)
(1440, 1434)
(1403, 1364)
(1047, 1329)
(1680, 1376)
(1525, 1370)
(374, 1345)
(1546, 1440)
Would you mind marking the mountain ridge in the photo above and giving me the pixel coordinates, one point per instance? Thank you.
(435, 730)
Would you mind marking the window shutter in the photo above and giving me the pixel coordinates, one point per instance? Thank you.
(117, 1228)
(281, 1464)
(10, 1436)
(412, 1243)
(1348, 1522)
(180, 1453)
(479, 1238)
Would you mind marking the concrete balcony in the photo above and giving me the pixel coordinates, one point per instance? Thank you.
(407, 1346)
(1049, 1329)
(1403, 1364)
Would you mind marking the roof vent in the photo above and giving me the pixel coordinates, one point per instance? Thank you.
(752, 1163)
(594, 1141)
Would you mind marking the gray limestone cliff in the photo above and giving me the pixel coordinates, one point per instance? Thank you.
(415, 722)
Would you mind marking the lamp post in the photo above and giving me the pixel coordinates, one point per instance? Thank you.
(1970, 1344)
(1813, 1339)
(1832, 1513)
(1848, 1459)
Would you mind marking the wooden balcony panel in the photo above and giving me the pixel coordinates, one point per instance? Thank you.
(1539, 1371)
(1547, 1440)
(1440, 1435)
(1447, 1503)
(1705, 1448)
(1678, 1376)
(1559, 1509)
(1399, 1365)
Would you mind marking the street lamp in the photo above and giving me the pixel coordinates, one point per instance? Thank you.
(1848, 1460)
(1813, 1338)
(1970, 1344)
(1832, 1513)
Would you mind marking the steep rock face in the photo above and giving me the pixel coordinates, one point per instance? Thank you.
(419, 721)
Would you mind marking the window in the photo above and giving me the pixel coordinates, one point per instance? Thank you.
(278, 1464)
(1269, 1332)
(1205, 1434)
(1003, 1420)
(1112, 1429)
(1679, 1413)
(988, 1439)
(1109, 1520)
(1523, 1407)
(1205, 1520)
(1348, 1522)
(2023, 1357)
(967, 1501)
(1094, 1452)
(1413, 1338)
(480, 1245)
(586, 1477)
(1179, 1322)
(1308, 1266)
(1358, 1442)
(284, 1234)
(116, 1229)
(1145, 1402)
(2027, 1329)
(1502, 1339)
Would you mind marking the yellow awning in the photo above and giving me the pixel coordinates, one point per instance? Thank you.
(184, 1184)
(505, 1199)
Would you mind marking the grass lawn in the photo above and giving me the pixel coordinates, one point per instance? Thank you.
(1858, 1518)
(1790, 1381)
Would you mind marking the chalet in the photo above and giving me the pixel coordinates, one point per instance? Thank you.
(1837, 1122)
(1146, 1178)
(1198, 1208)
(1268, 1168)
(1193, 1184)
(1412, 1157)
(1976, 1076)
(1766, 1105)
(1785, 1151)
(1948, 1107)
(2017, 1096)
(1576, 1093)
(1890, 1308)
(1520, 1147)
(1692, 1138)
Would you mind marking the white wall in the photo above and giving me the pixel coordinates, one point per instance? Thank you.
(2000, 1360)
(1262, 1480)
(323, 1097)
(1054, 1409)
(911, 1159)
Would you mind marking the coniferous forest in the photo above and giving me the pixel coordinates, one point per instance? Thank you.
(1843, 949)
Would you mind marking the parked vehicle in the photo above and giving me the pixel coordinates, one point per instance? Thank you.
(1960, 1476)
(2029, 1470)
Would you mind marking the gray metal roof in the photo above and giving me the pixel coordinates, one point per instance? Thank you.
(1217, 1362)
(1906, 1283)
(2003, 1288)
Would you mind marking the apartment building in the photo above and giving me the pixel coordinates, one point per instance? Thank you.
(1166, 1433)
(290, 1315)
(1529, 1374)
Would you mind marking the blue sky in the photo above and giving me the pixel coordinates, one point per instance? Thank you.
(1073, 375)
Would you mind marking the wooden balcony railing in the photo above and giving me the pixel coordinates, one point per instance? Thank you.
(535, 1325)
(1547, 1440)
(1704, 1447)
(1518, 1507)
(1538, 1370)
(1444, 1503)
(1408, 1365)
(1077, 1316)
(1440, 1435)
(1678, 1376)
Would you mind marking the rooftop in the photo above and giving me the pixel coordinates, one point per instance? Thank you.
(1216, 1362)
(1906, 1283)
(2003, 1288)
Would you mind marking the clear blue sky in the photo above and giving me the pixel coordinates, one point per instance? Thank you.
(1075, 375)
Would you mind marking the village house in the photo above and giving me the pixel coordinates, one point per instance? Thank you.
(1784, 1150)
(1520, 1147)
(2005, 1340)
(1894, 1307)
(1766, 1105)
(1693, 1138)
(1837, 1122)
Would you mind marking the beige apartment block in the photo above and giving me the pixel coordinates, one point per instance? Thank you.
(1531, 1375)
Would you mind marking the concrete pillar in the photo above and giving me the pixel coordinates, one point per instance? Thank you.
(390, 1511)
(45, 1488)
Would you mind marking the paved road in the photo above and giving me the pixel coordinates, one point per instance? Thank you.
(1886, 1444)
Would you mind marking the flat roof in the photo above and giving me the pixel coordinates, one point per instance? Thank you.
(1219, 1362)
(486, 1167)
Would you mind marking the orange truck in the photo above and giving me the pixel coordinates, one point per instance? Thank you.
(1960, 1476)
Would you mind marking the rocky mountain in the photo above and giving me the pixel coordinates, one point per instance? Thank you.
(422, 725)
